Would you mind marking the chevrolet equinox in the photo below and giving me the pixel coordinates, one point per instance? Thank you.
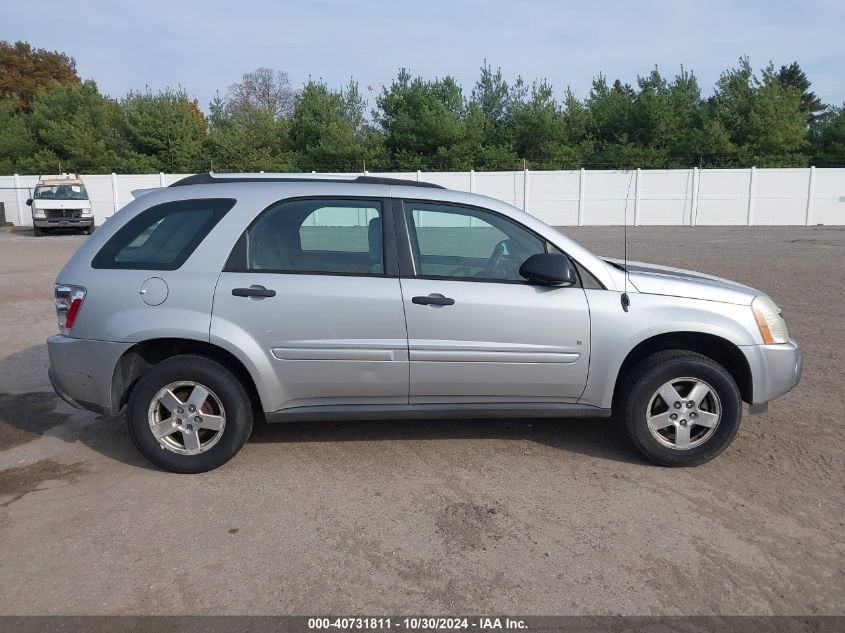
(225, 299)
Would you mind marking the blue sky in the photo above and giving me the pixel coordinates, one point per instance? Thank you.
(205, 46)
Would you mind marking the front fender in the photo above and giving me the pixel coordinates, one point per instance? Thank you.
(615, 332)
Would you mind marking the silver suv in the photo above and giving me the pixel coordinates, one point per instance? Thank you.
(221, 300)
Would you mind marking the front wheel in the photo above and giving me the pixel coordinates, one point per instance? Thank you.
(189, 414)
(680, 408)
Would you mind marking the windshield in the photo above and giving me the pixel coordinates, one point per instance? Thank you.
(61, 192)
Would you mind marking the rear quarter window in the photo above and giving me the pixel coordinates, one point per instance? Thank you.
(163, 236)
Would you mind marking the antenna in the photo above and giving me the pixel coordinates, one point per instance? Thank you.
(626, 301)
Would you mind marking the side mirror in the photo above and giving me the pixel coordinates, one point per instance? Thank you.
(28, 202)
(549, 268)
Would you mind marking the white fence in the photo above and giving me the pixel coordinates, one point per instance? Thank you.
(686, 197)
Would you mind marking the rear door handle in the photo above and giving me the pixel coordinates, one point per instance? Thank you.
(253, 291)
(434, 300)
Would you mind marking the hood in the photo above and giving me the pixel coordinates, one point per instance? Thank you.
(676, 282)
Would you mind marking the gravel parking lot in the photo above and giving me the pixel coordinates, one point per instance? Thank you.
(515, 516)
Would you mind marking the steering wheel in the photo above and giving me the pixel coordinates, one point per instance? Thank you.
(495, 259)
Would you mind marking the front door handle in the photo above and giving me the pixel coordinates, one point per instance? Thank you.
(434, 300)
(253, 291)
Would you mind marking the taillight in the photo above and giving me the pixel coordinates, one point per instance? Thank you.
(68, 303)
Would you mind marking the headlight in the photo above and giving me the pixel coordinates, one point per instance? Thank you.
(769, 320)
(38, 213)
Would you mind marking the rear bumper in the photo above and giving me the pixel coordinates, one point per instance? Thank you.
(81, 371)
(775, 369)
(59, 391)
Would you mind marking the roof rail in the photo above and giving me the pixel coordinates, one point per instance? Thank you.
(210, 179)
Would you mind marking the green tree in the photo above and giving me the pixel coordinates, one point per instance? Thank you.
(167, 126)
(792, 77)
(478, 147)
(491, 100)
(78, 129)
(669, 125)
(327, 128)
(535, 123)
(24, 71)
(248, 140)
(694, 137)
(422, 121)
(612, 126)
(50, 121)
(485, 142)
(17, 143)
(577, 123)
(764, 118)
(828, 140)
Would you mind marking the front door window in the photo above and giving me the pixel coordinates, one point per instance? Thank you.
(455, 242)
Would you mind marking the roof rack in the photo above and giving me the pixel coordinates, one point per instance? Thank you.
(210, 179)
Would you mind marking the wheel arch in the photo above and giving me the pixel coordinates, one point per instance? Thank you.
(718, 349)
(143, 355)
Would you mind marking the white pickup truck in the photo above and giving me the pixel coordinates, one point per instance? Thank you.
(61, 203)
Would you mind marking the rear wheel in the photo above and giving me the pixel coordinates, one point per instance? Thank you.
(680, 408)
(189, 414)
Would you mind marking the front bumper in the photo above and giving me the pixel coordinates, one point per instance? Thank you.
(775, 369)
(81, 371)
(62, 223)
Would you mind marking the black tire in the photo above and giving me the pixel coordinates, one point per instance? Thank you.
(38, 231)
(225, 385)
(87, 230)
(649, 375)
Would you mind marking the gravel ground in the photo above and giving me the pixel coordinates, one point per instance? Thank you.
(515, 516)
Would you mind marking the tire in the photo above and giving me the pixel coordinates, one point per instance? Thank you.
(87, 230)
(227, 405)
(708, 426)
(38, 231)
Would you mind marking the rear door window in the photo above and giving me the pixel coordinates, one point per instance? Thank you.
(163, 236)
(314, 236)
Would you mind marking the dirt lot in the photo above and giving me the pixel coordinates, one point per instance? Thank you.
(542, 517)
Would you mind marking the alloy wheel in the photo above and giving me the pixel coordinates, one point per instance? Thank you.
(186, 418)
(684, 413)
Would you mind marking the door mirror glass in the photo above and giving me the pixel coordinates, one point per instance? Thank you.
(549, 268)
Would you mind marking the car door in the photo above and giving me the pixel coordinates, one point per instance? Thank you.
(477, 330)
(310, 297)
